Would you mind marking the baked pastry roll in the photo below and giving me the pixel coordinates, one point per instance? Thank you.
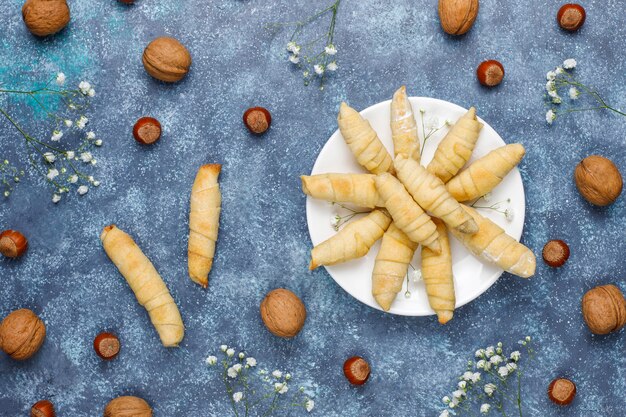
(146, 283)
(351, 242)
(484, 174)
(406, 213)
(403, 126)
(357, 189)
(455, 149)
(437, 275)
(392, 263)
(431, 194)
(204, 221)
(363, 141)
(493, 245)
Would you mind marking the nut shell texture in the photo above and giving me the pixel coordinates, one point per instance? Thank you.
(604, 309)
(598, 180)
(21, 334)
(45, 17)
(128, 407)
(166, 59)
(457, 16)
(283, 313)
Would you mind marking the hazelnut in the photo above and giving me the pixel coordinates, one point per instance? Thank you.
(490, 73)
(257, 120)
(13, 244)
(604, 309)
(598, 180)
(43, 408)
(283, 313)
(356, 370)
(106, 345)
(127, 1)
(457, 16)
(562, 391)
(45, 17)
(555, 253)
(147, 130)
(21, 334)
(128, 407)
(166, 59)
(571, 16)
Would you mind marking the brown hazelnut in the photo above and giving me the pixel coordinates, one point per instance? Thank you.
(555, 253)
(562, 391)
(604, 309)
(166, 59)
(43, 408)
(106, 345)
(490, 73)
(571, 16)
(283, 313)
(356, 370)
(598, 180)
(13, 244)
(257, 120)
(45, 17)
(457, 16)
(128, 407)
(21, 334)
(147, 130)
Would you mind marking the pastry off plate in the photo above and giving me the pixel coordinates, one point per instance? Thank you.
(472, 277)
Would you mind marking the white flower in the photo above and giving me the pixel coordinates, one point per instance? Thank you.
(81, 122)
(56, 198)
(231, 372)
(480, 353)
(91, 135)
(70, 154)
(515, 356)
(293, 48)
(551, 86)
(332, 66)
(223, 348)
(487, 197)
(330, 49)
(98, 142)
(484, 409)
(237, 396)
(251, 362)
(82, 190)
(309, 404)
(553, 93)
(446, 399)
(294, 59)
(475, 377)
(86, 157)
(511, 367)
(281, 387)
(458, 394)
(503, 371)
(334, 221)
(60, 78)
(84, 87)
(241, 355)
(490, 351)
(68, 123)
(569, 63)
(73, 179)
(496, 359)
(467, 376)
(462, 384)
(211, 360)
(550, 116)
(481, 364)
(49, 157)
(490, 389)
(444, 413)
(416, 275)
(91, 92)
(230, 352)
(52, 173)
(432, 123)
(287, 377)
(96, 183)
(551, 75)
(56, 136)
(237, 367)
(277, 374)
(559, 70)
(319, 69)
(574, 93)
(557, 100)
(509, 214)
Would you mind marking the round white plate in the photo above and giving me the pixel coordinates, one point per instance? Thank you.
(471, 276)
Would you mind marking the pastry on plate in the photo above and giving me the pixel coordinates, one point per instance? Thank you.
(357, 189)
(403, 126)
(437, 275)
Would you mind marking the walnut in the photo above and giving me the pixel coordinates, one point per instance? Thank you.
(598, 180)
(21, 334)
(128, 407)
(457, 16)
(166, 59)
(283, 313)
(45, 17)
(604, 309)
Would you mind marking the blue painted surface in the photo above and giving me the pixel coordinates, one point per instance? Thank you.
(264, 244)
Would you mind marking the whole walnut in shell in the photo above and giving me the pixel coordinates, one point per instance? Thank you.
(45, 17)
(128, 406)
(166, 59)
(21, 334)
(604, 309)
(598, 180)
(283, 313)
(457, 16)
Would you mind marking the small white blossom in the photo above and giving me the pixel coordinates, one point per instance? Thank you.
(481, 364)
(559, 70)
(319, 69)
(557, 100)
(231, 372)
(68, 123)
(211, 360)
(444, 413)
(230, 352)
(293, 48)
(98, 142)
(475, 377)
(490, 389)
(91, 135)
(511, 367)
(86, 157)
(96, 183)
(332, 66)
(515, 356)
(49, 157)
(56, 198)
(60, 80)
(52, 174)
(527, 338)
(467, 376)
(480, 353)
(56, 136)
(334, 221)
(551, 75)
(490, 351)
(277, 374)
(223, 348)
(81, 122)
(70, 154)
(251, 362)
(91, 92)
(237, 396)
(84, 87)
(281, 387)
(330, 50)
(462, 384)
(553, 93)
(458, 394)
(73, 179)
(82, 190)
(496, 359)
(509, 214)
(309, 404)
(503, 371)
(551, 86)
(241, 355)
(416, 275)
(294, 59)
(484, 409)
(550, 116)
(446, 400)
(569, 63)
(574, 93)
(487, 197)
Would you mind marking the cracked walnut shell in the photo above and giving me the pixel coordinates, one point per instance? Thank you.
(128, 406)
(166, 59)
(598, 180)
(457, 16)
(604, 309)
(21, 334)
(45, 17)
(283, 313)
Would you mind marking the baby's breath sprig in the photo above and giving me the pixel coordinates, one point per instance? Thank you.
(561, 80)
(254, 391)
(339, 219)
(313, 63)
(432, 124)
(507, 212)
(62, 167)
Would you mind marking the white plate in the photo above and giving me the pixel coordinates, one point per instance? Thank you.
(471, 276)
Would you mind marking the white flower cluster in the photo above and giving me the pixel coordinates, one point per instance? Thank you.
(320, 64)
(508, 212)
(557, 79)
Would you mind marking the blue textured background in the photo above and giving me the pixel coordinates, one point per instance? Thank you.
(68, 280)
